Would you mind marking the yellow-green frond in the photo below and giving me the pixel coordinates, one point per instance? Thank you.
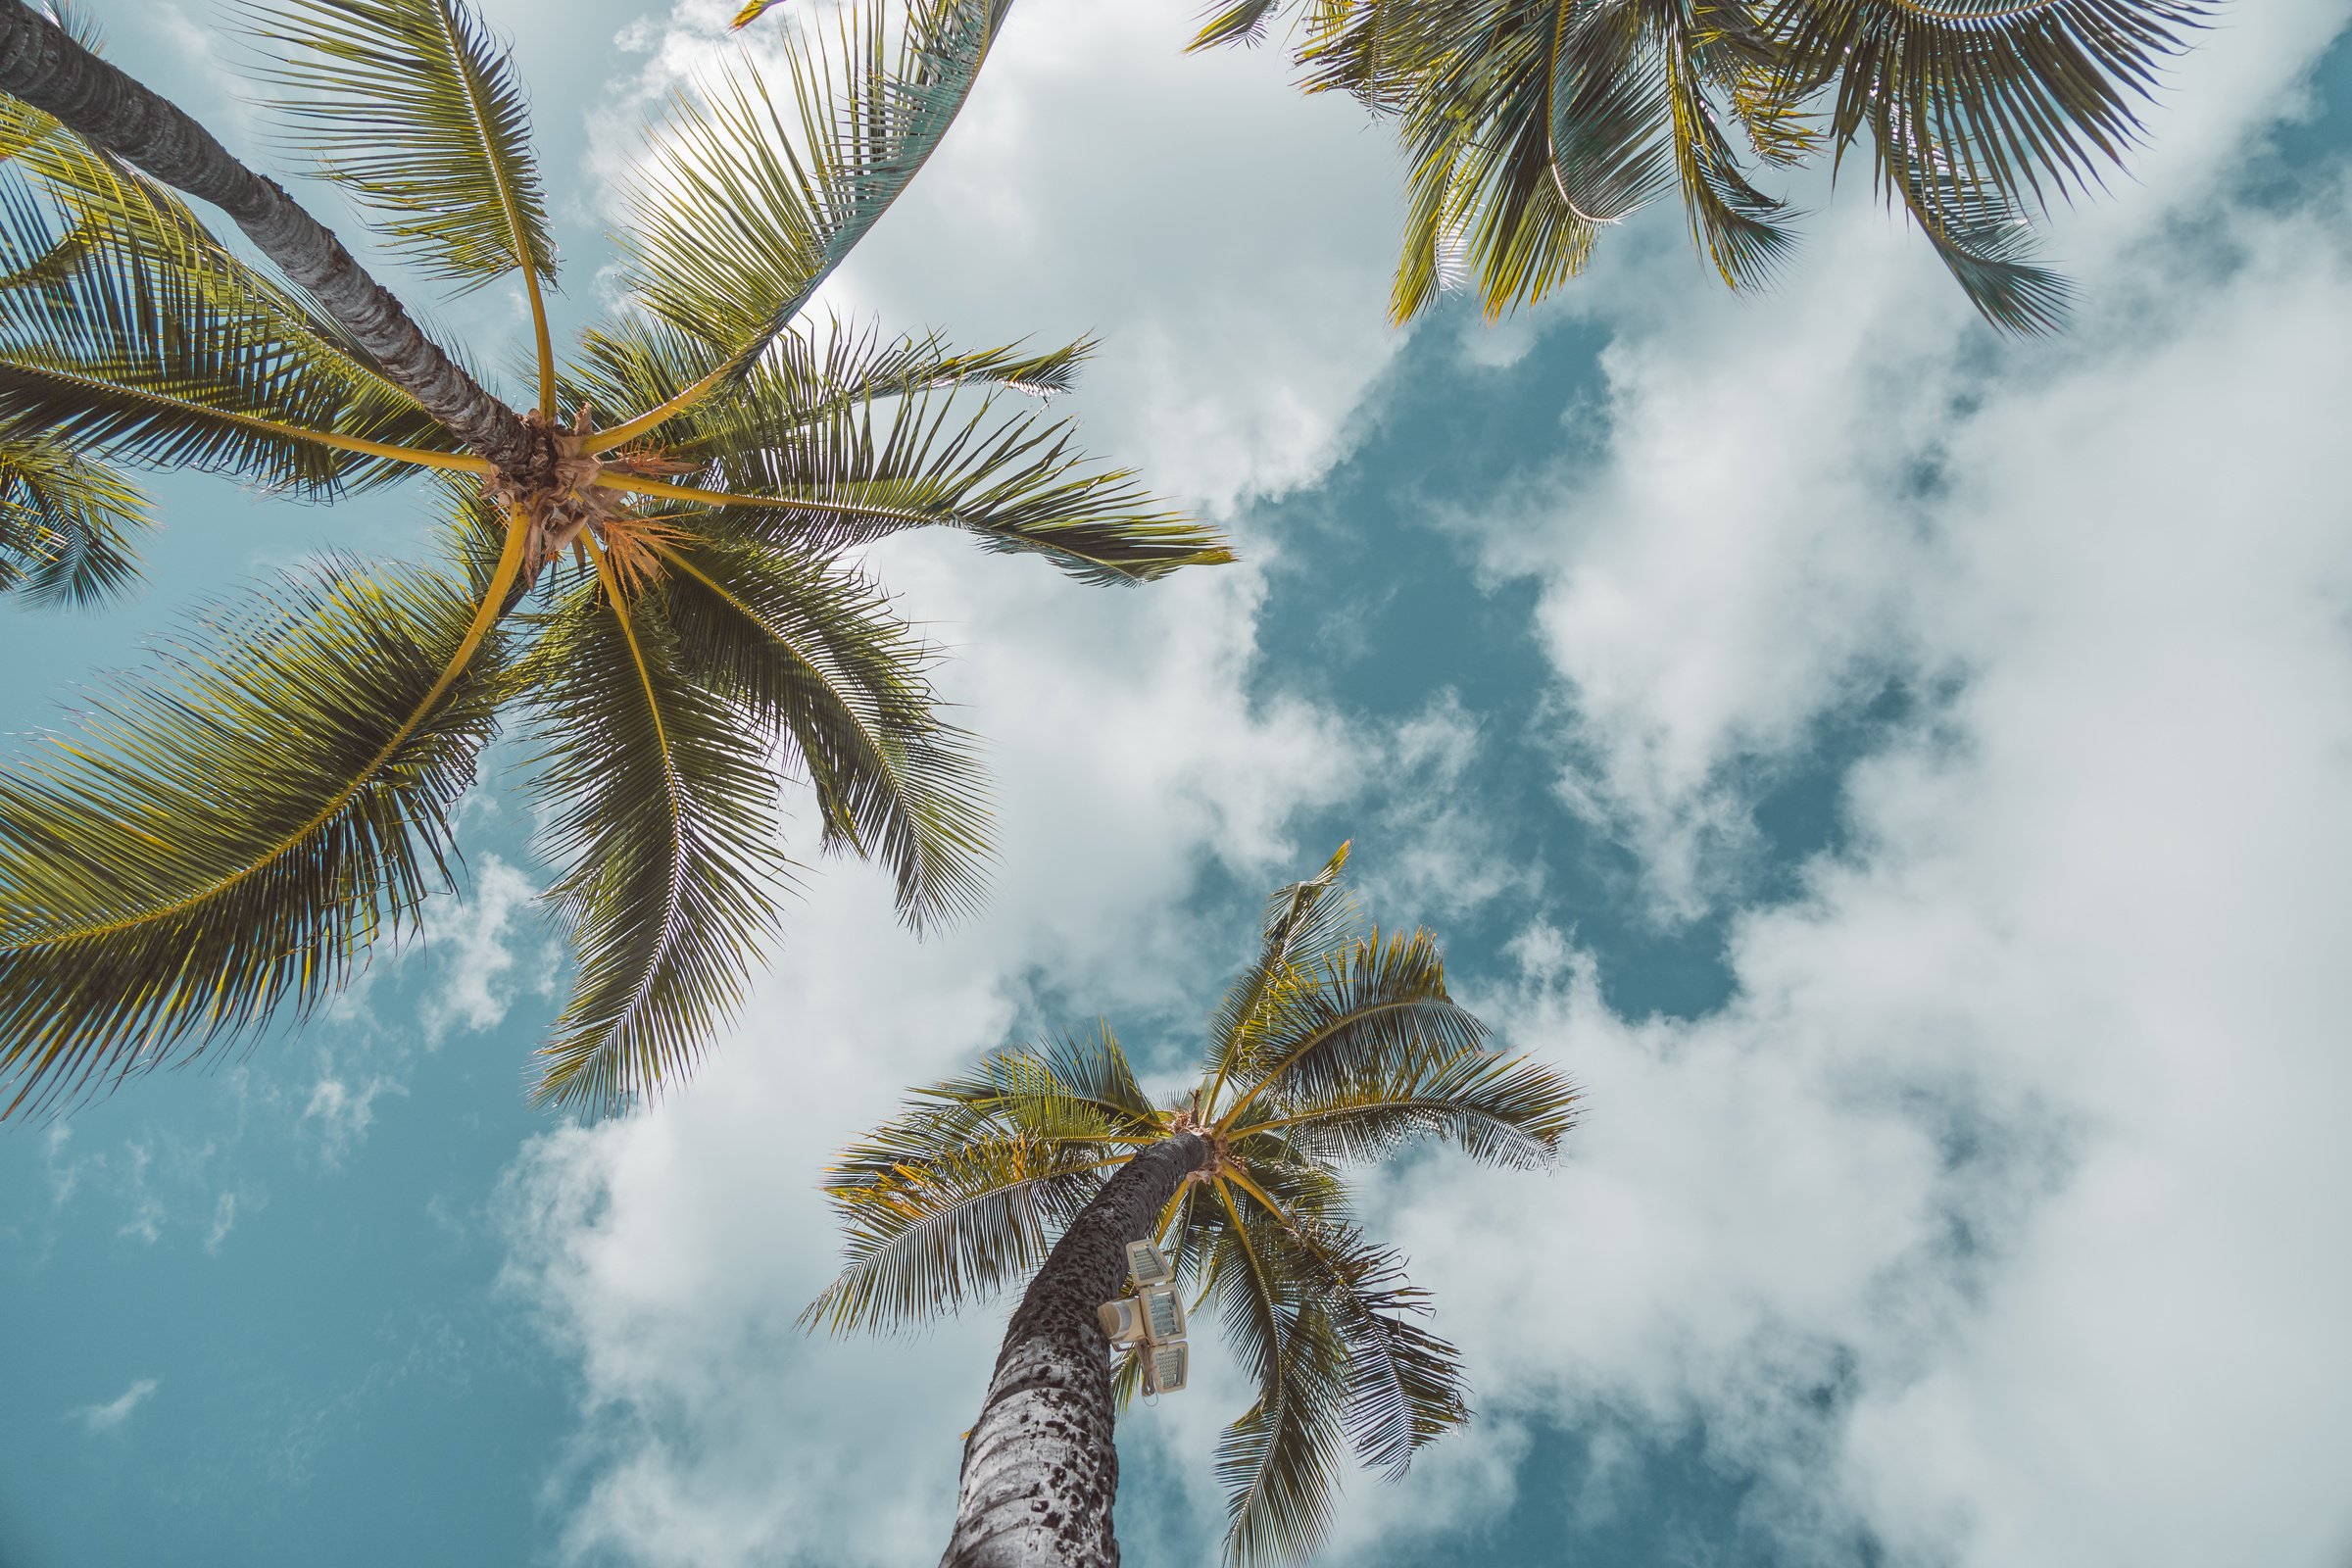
(135, 357)
(1279, 1463)
(747, 197)
(222, 839)
(416, 109)
(1379, 1006)
(664, 820)
(1501, 1111)
(1305, 924)
(951, 1218)
(64, 522)
(811, 655)
(97, 206)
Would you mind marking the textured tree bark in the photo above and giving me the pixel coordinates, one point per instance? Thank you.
(43, 66)
(1040, 1472)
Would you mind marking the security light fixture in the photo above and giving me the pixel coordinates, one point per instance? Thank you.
(1165, 1366)
(1163, 1313)
(1147, 1264)
(1122, 1320)
(1150, 1322)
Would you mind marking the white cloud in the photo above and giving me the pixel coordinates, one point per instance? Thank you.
(341, 1112)
(110, 1416)
(1985, 1216)
(1990, 1215)
(225, 1221)
(468, 943)
(1747, 546)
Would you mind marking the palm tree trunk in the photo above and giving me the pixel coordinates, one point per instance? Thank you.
(46, 69)
(1040, 1472)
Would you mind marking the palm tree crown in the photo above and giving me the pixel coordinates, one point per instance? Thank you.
(1530, 125)
(1335, 1045)
(226, 834)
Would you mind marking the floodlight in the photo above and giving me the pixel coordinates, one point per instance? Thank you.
(1122, 1320)
(1164, 1368)
(1163, 1313)
(1147, 1264)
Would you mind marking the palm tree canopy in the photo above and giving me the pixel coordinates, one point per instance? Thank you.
(1338, 1046)
(228, 832)
(1531, 124)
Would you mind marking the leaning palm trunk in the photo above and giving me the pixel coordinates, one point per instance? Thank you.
(1040, 1471)
(41, 64)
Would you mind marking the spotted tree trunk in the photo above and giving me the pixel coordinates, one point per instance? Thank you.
(1039, 1473)
(43, 66)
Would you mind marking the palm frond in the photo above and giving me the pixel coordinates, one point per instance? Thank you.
(64, 519)
(1982, 237)
(223, 841)
(136, 356)
(1279, 1463)
(947, 1218)
(104, 206)
(2029, 98)
(808, 375)
(812, 656)
(1500, 1110)
(1405, 1385)
(664, 819)
(1379, 1006)
(893, 461)
(743, 205)
(1305, 924)
(1235, 22)
(416, 109)
(1069, 1087)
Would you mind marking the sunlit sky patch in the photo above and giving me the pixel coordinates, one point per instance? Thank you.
(1902, 775)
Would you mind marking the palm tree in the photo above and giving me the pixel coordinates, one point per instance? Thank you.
(1332, 1048)
(1531, 124)
(228, 834)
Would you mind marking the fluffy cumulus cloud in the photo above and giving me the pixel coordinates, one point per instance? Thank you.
(1985, 1218)
(1990, 1218)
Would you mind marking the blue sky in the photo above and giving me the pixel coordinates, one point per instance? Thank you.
(1901, 775)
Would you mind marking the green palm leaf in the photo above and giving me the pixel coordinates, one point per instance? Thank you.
(1501, 1111)
(142, 356)
(806, 377)
(63, 522)
(1405, 1385)
(1379, 1008)
(812, 656)
(1305, 924)
(104, 208)
(2011, 95)
(415, 109)
(1528, 123)
(223, 840)
(743, 205)
(1280, 1461)
(664, 816)
(1015, 483)
(937, 1216)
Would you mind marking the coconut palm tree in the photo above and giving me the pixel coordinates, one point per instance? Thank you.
(1530, 125)
(225, 836)
(1335, 1045)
